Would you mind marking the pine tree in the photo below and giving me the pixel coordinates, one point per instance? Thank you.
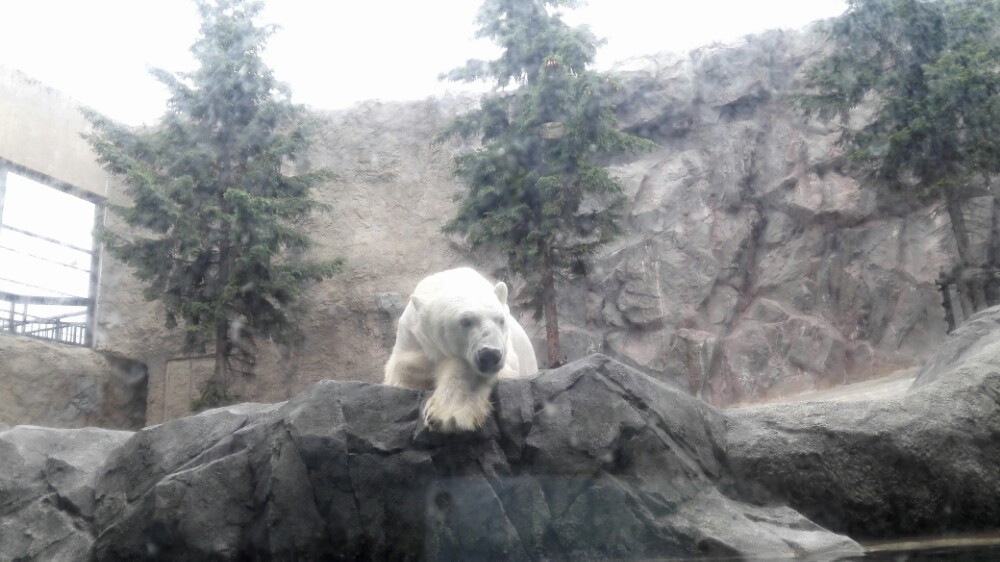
(538, 191)
(930, 68)
(215, 223)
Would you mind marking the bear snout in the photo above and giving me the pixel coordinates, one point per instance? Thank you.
(489, 360)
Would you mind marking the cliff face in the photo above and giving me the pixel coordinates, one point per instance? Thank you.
(752, 265)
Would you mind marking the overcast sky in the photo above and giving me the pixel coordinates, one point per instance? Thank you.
(334, 53)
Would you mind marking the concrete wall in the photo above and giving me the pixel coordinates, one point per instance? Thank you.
(40, 130)
(45, 383)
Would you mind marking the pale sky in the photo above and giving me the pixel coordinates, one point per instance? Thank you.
(334, 53)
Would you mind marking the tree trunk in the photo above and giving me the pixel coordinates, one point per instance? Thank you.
(223, 346)
(220, 376)
(219, 383)
(551, 314)
(993, 259)
(974, 290)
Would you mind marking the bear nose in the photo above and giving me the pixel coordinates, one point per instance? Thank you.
(488, 359)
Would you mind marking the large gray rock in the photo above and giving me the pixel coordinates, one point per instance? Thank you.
(58, 385)
(47, 489)
(927, 462)
(974, 342)
(593, 460)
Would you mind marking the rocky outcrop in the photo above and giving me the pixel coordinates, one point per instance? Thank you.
(975, 343)
(47, 497)
(591, 460)
(51, 384)
(754, 264)
(927, 462)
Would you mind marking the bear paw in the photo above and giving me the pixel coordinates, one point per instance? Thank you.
(454, 418)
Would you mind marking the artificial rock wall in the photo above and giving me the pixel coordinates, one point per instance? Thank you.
(57, 385)
(46, 383)
(390, 197)
(753, 264)
(40, 131)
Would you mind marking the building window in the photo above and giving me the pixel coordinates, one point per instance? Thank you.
(48, 258)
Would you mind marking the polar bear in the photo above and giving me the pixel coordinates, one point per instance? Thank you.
(457, 337)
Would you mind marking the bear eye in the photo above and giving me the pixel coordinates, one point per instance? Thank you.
(501, 320)
(465, 322)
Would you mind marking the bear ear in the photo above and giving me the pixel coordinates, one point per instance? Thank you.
(415, 300)
(501, 291)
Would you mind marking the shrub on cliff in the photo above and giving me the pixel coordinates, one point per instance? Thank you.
(930, 69)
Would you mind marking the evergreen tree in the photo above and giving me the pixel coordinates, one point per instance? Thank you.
(930, 68)
(538, 191)
(214, 222)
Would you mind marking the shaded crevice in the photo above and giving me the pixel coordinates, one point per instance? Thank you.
(503, 510)
(540, 405)
(572, 499)
(66, 506)
(525, 426)
(201, 456)
(312, 486)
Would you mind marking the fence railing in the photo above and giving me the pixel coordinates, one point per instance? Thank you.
(14, 318)
(965, 292)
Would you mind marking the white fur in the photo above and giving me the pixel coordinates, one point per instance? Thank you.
(453, 319)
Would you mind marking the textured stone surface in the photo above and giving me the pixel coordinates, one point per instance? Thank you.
(975, 341)
(46, 490)
(591, 460)
(926, 462)
(744, 201)
(57, 385)
(745, 228)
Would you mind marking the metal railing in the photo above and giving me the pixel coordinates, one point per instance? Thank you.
(965, 292)
(14, 318)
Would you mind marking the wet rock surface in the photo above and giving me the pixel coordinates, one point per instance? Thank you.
(591, 460)
(924, 462)
(975, 342)
(47, 481)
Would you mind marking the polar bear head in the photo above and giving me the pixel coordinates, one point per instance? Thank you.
(468, 321)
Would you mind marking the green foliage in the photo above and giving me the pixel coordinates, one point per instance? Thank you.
(930, 69)
(538, 189)
(215, 223)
